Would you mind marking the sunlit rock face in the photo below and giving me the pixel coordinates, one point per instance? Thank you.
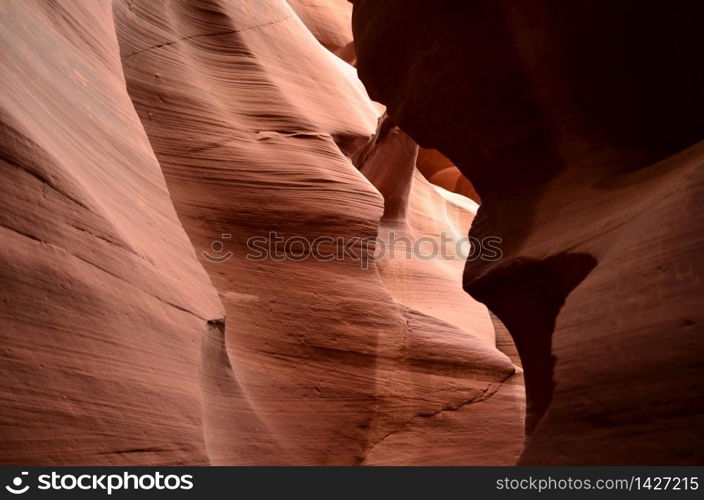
(439, 170)
(145, 142)
(330, 22)
(320, 361)
(578, 124)
(102, 300)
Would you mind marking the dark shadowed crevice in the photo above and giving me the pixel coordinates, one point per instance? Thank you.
(527, 295)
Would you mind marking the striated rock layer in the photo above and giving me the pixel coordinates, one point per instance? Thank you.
(102, 301)
(442, 172)
(577, 124)
(458, 328)
(321, 360)
(330, 22)
(127, 340)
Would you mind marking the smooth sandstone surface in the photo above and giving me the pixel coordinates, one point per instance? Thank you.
(439, 170)
(584, 151)
(330, 22)
(458, 328)
(102, 300)
(320, 361)
(127, 340)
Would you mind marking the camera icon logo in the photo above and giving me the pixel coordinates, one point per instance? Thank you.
(217, 247)
(16, 487)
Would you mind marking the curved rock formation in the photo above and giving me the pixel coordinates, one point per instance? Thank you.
(583, 151)
(126, 343)
(321, 360)
(103, 303)
(116, 348)
(330, 22)
(127, 340)
(442, 172)
(446, 326)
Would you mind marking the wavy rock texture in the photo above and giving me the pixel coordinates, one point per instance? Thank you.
(330, 22)
(103, 303)
(120, 348)
(583, 151)
(258, 128)
(446, 325)
(442, 172)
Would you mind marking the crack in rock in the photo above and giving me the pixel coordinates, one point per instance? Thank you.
(487, 393)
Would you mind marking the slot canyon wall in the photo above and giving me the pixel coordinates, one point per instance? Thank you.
(143, 144)
(578, 124)
(103, 302)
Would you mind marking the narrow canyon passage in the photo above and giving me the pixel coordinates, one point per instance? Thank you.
(246, 125)
(330, 361)
(578, 123)
(325, 232)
